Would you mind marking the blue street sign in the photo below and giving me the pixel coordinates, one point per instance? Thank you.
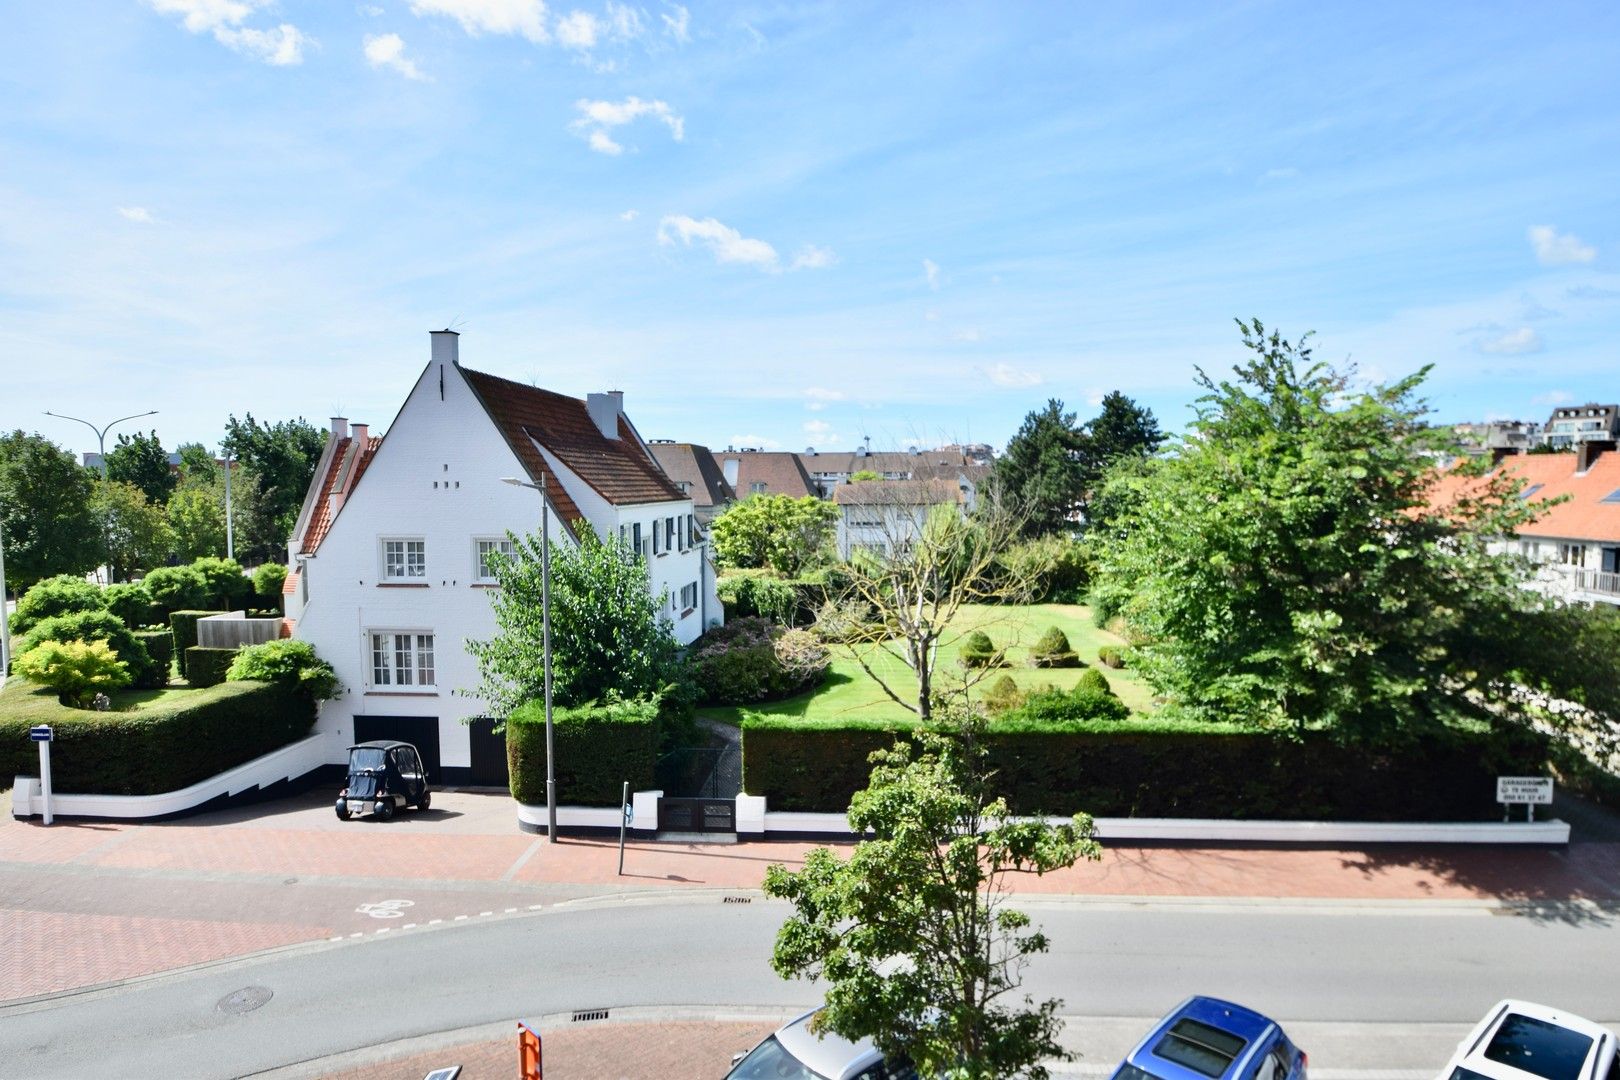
(41, 733)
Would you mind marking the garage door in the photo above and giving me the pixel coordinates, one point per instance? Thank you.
(421, 732)
(488, 752)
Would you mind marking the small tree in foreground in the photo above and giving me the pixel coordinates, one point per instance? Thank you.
(913, 933)
(76, 670)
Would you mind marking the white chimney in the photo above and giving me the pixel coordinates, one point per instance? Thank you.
(444, 346)
(361, 433)
(340, 427)
(606, 409)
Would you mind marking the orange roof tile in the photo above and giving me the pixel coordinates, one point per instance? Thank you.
(320, 519)
(1584, 515)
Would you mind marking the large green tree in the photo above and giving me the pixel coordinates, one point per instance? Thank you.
(47, 524)
(281, 460)
(140, 460)
(1042, 470)
(1122, 432)
(785, 534)
(1284, 565)
(197, 521)
(136, 531)
(912, 933)
(609, 633)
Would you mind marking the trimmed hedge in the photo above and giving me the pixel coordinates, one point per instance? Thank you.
(102, 625)
(160, 647)
(978, 651)
(599, 747)
(1112, 655)
(130, 601)
(184, 626)
(752, 660)
(207, 667)
(187, 737)
(63, 594)
(1053, 651)
(1148, 769)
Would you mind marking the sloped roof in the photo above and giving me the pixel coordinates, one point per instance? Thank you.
(619, 469)
(780, 472)
(897, 493)
(321, 517)
(1584, 516)
(695, 466)
(881, 461)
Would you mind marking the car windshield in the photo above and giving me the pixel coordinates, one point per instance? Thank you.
(1127, 1071)
(1199, 1047)
(1539, 1047)
(366, 757)
(1460, 1073)
(771, 1061)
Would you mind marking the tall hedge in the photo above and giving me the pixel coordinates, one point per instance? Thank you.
(160, 647)
(185, 737)
(1148, 769)
(599, 747)
(184, 626)
(207, 667)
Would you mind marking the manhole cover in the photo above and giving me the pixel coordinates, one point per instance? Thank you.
(244, 1000)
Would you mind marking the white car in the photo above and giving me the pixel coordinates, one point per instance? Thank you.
(1521, 1041)
(795, 1053)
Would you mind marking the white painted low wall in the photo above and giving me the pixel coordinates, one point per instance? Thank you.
(1290, 832)
(592, 817)
(287, 763)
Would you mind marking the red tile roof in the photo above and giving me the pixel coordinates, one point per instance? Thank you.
(781, 473)
(897, 493)
(619, 470)
(320, 519)
(1583, 516)
(289, 587)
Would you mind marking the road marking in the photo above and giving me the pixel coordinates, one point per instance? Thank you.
(357, 933)
(408, 926)
(460, 917)
(386, 909)
(435, 922)
(338, 938)
(536, 907)
(510, 910)
(481, 914)
(512, 871)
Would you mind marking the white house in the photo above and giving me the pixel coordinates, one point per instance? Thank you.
(389, 573)
(881, 516)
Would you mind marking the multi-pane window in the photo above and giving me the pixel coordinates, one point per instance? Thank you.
(691, 531)
(756, 487)
(657, 538)
(404, 560)
(1572, 554)
(489, 554)
(689, 596)
(669, 534)
(400, 658)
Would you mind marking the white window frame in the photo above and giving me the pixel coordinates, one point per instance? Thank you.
(501, 544)
(383, 567)
(689, 602)
(384, 642)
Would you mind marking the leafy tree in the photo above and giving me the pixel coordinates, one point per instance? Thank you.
(281, 458)
(1042, 470)
(864, 474)
(610, 635)
(196, 520)
(1123, 431)
(99, 626)
(777, 531)
(176, 588)
(76, 670)
(225, 586)
(130, 601)
(913, 934)
(197, 464)
(46, 521)
(58, 595)
(1283, 564)
(137, 531)
(141, 460)
(286, 661)
(268, 578)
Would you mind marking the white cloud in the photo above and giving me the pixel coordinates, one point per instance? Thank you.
(931, 272)
(678, 25)
(1004, 374)
(583, 31)
(1551, 397)
(968, 335)
(1094, 396)
(811, 257)
(388, 51)
(760, 441)
(280, 47)
(370, 9)
(817, 397)
(597, 118)
(817, 427)
(1512, 343)
(1273, 175)
(630, 215)
(138, 214)
(1554, 248)
(577, 30)
(524, 18)
(727, 244)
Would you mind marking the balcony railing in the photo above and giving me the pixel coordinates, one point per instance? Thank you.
(1598, 581)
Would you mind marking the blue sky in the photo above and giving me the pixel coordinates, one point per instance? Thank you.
(797, 224)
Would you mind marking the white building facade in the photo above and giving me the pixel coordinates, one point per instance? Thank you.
(390, 573)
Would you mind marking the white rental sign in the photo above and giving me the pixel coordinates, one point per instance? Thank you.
(1535, 790)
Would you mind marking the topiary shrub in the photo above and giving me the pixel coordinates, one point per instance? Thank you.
(1112, 655)
(207, 667)
(1053, 651)
(752, 660)
(176, 588)
(978, 651)
(267, 582)
(1059, 708)
(159, 646)
(60, 595)
(224, 584)
(1092, 679)
(599, 747)
(757, 595)
(183, 624)
(130, 601)
(100, 626)
(76, 670)
(287, 661)
(1003, 695)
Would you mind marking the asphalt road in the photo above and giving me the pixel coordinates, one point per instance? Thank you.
(1353, 974)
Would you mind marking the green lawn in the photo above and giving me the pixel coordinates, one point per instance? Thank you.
(849, 693)
(122, 700)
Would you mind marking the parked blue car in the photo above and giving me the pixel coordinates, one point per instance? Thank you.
(1209, 1039)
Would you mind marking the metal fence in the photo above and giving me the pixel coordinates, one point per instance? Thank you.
(701, 772)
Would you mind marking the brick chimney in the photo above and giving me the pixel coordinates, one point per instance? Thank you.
(605, 410)
(361, 433)
(1587, 453)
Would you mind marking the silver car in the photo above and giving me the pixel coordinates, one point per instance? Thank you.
(795, 1053)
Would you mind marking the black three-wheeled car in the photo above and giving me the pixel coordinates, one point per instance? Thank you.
(383, 776)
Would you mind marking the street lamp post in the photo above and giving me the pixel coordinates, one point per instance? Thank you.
(101, 446)
(5, 622)
(230, 532)
(545, 646)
